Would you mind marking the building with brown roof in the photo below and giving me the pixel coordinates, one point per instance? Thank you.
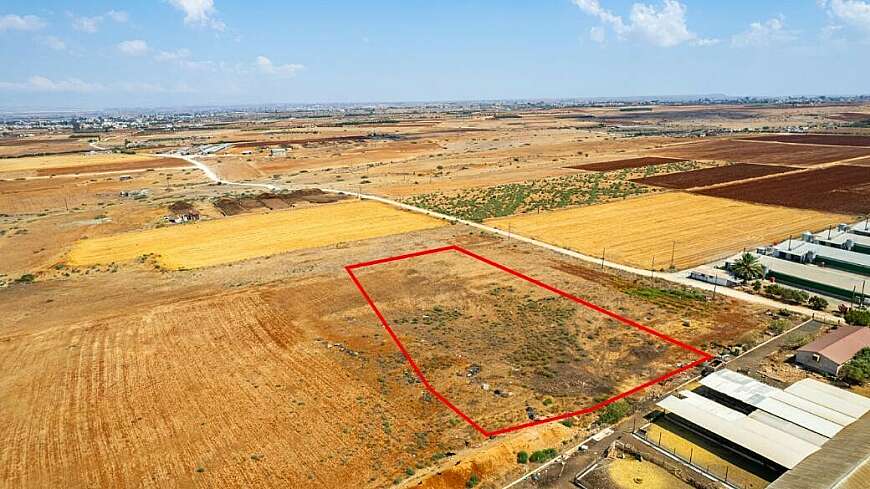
(830, 352)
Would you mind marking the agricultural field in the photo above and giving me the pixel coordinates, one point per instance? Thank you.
(250, 236)
(712, 176)
(844, 189)
(72, 164)
(831, 139)
(16, 147)
(623, 164)
(744, 151)
(647, 232)
(586, 188)
(496, 345)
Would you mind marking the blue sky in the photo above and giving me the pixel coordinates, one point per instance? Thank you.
(97, 54)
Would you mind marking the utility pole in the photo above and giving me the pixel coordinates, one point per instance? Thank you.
(673, 252)
(602, 257)
(652, 268)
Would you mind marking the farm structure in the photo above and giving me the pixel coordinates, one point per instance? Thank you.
(668, 229)
(844, 189)
(251, 236)
(780, 427)
(830, 352)
(712, 176)
(806, 251)
(762, 152)
(852, 238)
(825, 281)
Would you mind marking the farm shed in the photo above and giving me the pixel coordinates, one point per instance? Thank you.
(830, 352)
(861, 228)
(735, 428)
(806, 252)
(778, 427)
(843, 463)
(833, 283)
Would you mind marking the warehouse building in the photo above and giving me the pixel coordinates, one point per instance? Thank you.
(802, 251)
(778, 428)
(833, 350)
(833, 283)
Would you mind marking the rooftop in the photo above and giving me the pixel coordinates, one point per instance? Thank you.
(841, 344)
(798, 247)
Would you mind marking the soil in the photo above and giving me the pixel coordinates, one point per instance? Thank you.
(626, 163)
(748, 151)
(843, 189)
(826, 139)
(712, 176)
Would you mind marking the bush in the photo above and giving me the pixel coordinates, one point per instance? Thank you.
(27, 278)
(522, 457)
(777, 326)
(857, 370)
(858, 317)
(543, 455)
(472, 481)
(786, 295)
(817, 303)
(567, 422)
(614, 412)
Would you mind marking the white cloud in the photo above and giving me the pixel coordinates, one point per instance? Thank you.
(87, 24)
(853, 12)
(597, 34)
(199, 12)
(53, 43)
(135, 47)
(762, 34)
(664, 26)
(12, 22)
(43, 84)
(176, 55)
(118, 16)
(265, 65)
(92, 24)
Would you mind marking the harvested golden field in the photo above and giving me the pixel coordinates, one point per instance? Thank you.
(238, 238)
(44, 166)
(696, 229)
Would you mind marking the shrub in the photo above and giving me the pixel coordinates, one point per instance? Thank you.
(543, 455)
(27, 278)
(777, 326)
(817, 303)
(857, 370)
(472, 481)
(409, 471)
(522, 457)
(567, 422)
(858, 317)
(614, 412)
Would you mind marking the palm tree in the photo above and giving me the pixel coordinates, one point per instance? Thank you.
(747, 267)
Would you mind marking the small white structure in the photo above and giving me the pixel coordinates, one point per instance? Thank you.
(278, 152)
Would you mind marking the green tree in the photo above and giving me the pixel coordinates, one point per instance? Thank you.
(522, 457)
(857, 370)
(747, 267)
(858, 317)
(817, 303)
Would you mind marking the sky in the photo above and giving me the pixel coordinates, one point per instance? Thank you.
(160, 53)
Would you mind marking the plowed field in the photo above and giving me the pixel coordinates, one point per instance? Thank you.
(833, 139)
(711, 176)
(627, 163)
(844, 189)
(762, 152)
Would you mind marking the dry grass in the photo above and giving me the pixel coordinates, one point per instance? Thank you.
(250, 236)
(73, 160)
(628, 474)
(635, 231)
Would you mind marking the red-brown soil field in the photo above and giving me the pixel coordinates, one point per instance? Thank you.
(844, 189)
(763, 152)
(834, 139)
(627, 163)
(711, 176)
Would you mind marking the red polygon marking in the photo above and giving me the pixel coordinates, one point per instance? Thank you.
(350, 268)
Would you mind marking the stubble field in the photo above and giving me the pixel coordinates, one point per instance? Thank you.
(249, 236)
(637, 231)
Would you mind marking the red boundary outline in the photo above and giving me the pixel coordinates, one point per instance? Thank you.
(350, 268)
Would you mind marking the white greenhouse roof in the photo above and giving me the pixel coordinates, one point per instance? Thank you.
(775, 445)
(848, 403)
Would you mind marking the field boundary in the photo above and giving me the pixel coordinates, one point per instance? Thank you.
(350, 270)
